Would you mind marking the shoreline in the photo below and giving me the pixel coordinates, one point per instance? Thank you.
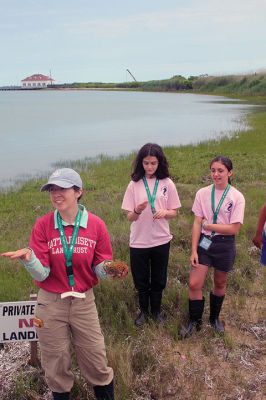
(252, 84)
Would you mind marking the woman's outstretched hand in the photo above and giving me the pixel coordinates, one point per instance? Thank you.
(23, 254)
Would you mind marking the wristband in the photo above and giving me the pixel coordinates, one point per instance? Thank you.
(136, 212)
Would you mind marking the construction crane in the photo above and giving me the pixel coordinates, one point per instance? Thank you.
(132, 75)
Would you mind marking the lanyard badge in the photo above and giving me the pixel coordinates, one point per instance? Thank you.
(151, 198)
(205, 243)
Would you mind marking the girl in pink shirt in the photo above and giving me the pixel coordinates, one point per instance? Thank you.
(219, 213)
(150, 200)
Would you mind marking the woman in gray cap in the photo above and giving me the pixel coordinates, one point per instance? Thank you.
(68, 248)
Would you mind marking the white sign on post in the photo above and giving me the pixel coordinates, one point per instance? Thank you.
(16, 321)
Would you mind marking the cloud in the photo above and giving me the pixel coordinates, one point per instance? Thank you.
(232, 14)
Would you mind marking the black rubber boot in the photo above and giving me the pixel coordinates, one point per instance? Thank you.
(104, 392)
(61, 396)
(144, 308)
(196, 308)
(156, 301)
(216, 303)
(141, 319)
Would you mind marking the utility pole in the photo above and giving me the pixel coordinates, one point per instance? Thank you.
(132, 75)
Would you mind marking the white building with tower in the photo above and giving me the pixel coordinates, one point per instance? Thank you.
(36, 81)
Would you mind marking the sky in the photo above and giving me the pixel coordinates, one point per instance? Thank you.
(98, 40)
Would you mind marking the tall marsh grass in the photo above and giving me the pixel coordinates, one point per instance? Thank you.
(152, 363)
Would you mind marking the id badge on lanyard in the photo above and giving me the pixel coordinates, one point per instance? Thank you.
(205, 243)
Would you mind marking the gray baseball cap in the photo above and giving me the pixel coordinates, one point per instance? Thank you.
(64, 178)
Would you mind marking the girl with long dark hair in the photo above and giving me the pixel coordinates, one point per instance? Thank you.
(219, 213)
(150, 200)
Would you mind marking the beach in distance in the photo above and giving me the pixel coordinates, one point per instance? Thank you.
(39, 128)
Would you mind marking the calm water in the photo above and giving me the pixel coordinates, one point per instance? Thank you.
(39, 128)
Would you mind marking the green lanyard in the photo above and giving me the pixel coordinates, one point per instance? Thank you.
(151, 198)
(68, 251)
(216, 212)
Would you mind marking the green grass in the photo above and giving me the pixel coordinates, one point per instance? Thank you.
(236, 85)
(146, 361)
(247, 85)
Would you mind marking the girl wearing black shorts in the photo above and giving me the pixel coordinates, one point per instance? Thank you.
(219, 212)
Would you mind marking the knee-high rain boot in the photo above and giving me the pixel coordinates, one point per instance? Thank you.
(156, 301)
(104, 392)
(144, 298)
(216, 303)
(196, 308)
(61, 396)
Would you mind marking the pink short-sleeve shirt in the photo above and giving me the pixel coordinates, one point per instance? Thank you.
(147, 232)
(231, 211)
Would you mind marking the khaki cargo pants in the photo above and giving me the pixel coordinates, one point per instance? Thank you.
(71, 320)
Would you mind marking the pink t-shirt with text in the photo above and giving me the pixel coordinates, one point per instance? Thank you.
(231, 211)
(147, 232)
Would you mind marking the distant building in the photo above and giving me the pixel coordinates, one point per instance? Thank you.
(36, 81)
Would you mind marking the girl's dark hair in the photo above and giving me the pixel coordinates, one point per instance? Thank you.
(225, 161)
(154, 150)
